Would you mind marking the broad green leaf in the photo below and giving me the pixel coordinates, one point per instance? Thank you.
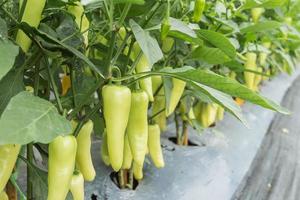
(209, 55)
(218, 40)
(228, 86)
(3, 29)
(182, 31)
(10, 85)
(138, 2)
(261, 27)
(8, 54)
(147, 43)
(220, 83)
(28, 118)
(33, 31)
(263, 4)
(222, 99)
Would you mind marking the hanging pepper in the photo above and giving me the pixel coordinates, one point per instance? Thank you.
(176, 93)
(198, 10)
(137, 171)
(137, 128)
(220, 113)
(65, 84)
(32, 15)
(127, 156)
(250, 65)
(206, 113)
(104, 149)
(257, 79)
(84, 160)
(154, 146)
(81, 20)
(61, 165)
(8, 157)
(77, 186)
(167, 44)
(116, 106)
(256, 13)
(3, 196)
(159, 103)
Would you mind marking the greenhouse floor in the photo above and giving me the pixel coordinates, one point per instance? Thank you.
(229, 161)
(275, 171)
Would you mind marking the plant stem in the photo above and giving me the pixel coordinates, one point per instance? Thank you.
(54, 87)
(29, 172)
(121, 179)
(184, 133)
(177, 128)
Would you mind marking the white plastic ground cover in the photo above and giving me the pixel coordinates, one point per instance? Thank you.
(211, 171)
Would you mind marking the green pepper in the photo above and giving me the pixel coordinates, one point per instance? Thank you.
(81, 20)
(8, 157)
(167, 44)
(256, 13)
(137, 128)
(137, 171)
(154, 146)
(127, 158)
(159, 103)
(198, 10)
(116, 108)
(176, 93)
(77, 186)
(32, 15)
(104, 149)
(84, 160)
(250, 65)
(61, 165)
(3, 196)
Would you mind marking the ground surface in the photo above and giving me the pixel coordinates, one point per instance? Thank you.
(275, 171)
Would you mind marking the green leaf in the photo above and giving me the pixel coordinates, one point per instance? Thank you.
(182, 31)
(209, 55)
(3, 29)
(218, 40)
(8, 54)
(263, 4)
(222, 99)
(147, 43)
(228, 86)
(48, 38)
(28, 118)
(261, 27)
(10, 85)
(138, 2)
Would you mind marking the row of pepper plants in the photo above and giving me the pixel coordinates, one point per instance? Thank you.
(124, 70)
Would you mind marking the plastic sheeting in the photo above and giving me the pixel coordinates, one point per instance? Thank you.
(211, 171)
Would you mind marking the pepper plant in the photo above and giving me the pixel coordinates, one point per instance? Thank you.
(122, 69)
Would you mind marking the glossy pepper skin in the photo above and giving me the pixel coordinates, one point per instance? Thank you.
(32, 15)
(77, 186)
(154, 146)
(250, 65)
(137, 171)
(116, 108)
(206, 113)
(159, 103)
(8, 157)
(61, 165)
(176, 93)
(127, 158)
(84, 160)
(104, 149)
(137, 128)
(198, 10)
(65, 84)
(3, 196)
